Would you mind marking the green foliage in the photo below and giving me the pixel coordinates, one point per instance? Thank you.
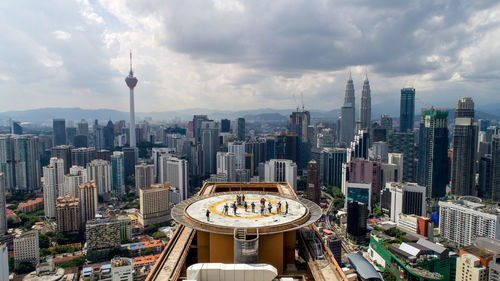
(11, 264)
(378, 212)
(58, 250)
(146, 252)
(386, 274)
(68, 238)
(153, 228)
(394, 232)
(100, 198)
(127, 241)
(43, 241)
(76, 262)
(24, 268)
(159, 235)
(338, 197)
(132, 205)
(118, 251)
(17, 198)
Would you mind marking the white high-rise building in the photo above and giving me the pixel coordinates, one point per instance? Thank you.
(99, 171)
(76, 177)
(4, 262)
(131, 83)
(226, 165)
(238, 149)
(408, 199)
(144, 176)
(462, 221)
(397, 159)
(175, 171)
(281, 170)
(53, 185)
(26, 248)
(156, 153)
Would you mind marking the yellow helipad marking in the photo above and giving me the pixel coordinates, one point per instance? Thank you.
(213, 209)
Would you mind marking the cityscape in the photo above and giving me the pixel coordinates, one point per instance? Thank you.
(369, 182)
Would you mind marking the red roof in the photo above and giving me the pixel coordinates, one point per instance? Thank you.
(146, 259)
(327, 232)
(31, 202)
(8, 212)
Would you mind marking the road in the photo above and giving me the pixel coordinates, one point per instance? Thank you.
(338, 231)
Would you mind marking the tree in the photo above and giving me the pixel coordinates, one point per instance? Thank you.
(146, 252)
(43, 241)
(24, 268)
(159, 235)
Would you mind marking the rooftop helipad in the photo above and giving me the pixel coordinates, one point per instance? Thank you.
(223, 217)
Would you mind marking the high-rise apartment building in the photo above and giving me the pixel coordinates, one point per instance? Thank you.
(117, 173)
(59, 131)
(407, 110)
(3, 217)
(226, 165)
(7, 161)
(68, 214)
(175, 172)
(472, 264)
(144, 176)
(280, 170)
(76, 177)
(154, 204)
(102, 233)
(365, 109)
(99, 171)
(88, 201)
(53, 185)
(463, 169)
(26, 248)
(238, 149)
(433, 151)
(462, 221)
(313, 189)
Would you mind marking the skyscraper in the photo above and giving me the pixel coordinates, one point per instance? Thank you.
(298, 123)
(76, 177)
(197, 119)
(226, 165)
(433, 151)
(109, 135)
(313, 190)
(347, 123)
(494, 193)
(63, 152)
(59, 131)
(407, 109)
(118, 173)
(241, 129)
(463, 170)
(175, 172)
(7, 161)
(238, 149)
(225, 125)
(131, 83)
(83, 128)
(365, 109)
(349, 96)
(403, 142)
(3, 217)
(210, 144)
(88, 201)
(82, 156)
(53, 185)
(68, 214)
(280, 170)
(99, 171)
(26, 162)
(144, 176)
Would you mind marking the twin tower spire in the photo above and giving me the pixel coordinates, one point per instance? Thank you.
(365, 110)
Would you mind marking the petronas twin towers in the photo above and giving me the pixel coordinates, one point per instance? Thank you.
(365, 110)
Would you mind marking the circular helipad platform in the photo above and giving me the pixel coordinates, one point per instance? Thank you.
(225, 213)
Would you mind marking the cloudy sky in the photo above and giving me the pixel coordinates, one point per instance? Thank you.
(233, 54)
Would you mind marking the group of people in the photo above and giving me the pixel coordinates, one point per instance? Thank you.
(240, 201)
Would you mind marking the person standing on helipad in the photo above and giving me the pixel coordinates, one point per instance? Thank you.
(208, 215)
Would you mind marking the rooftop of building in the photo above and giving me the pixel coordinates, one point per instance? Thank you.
(146, 259)
(31, 202)
(365, 269)
(478, 252)
(474, 205)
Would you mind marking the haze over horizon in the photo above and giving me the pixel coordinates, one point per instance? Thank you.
(238, 55)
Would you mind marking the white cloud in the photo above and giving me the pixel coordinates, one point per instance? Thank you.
(62, 35)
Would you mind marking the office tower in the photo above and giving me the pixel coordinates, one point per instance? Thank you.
(281, 170)
(241, 129)
(102, 233)
(26, 248)
(258, 149)
(103, 154)
(397, 159)
(365, 109)
(433, 151)
(358, 148)
(270, 148)
(3, 217)
(144, 176)
(154, 204)
(83, 128)
(26, 162)
(197, 119)
(98, 137)
(7, 161)
(407, 110)
(463, 170)
(70, 135)
(347, 124)
(226, 165)
(357, 214)
(494, 193)
(68, 214)
(82, 156)
(59, 131)
(80, 141)
(404, 143)
(349, 97)
(131, 83)
(484, 184)
(238, 149)
(386, 121)
(63, 152)
(99, 171)
(130, 159)
(462, 221)
(76, 177)
(287, 147)
(88, 201)
(4, 262)
(108, 133)
(298, 124)
(210, 144)
(117, 173)
(175, 172)
(53, 185)
(408, 199)
(360, 170)
(313, 190)
(359, 192)
(158, 152)
(335, 158)
(16, 128)
(225, 125)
